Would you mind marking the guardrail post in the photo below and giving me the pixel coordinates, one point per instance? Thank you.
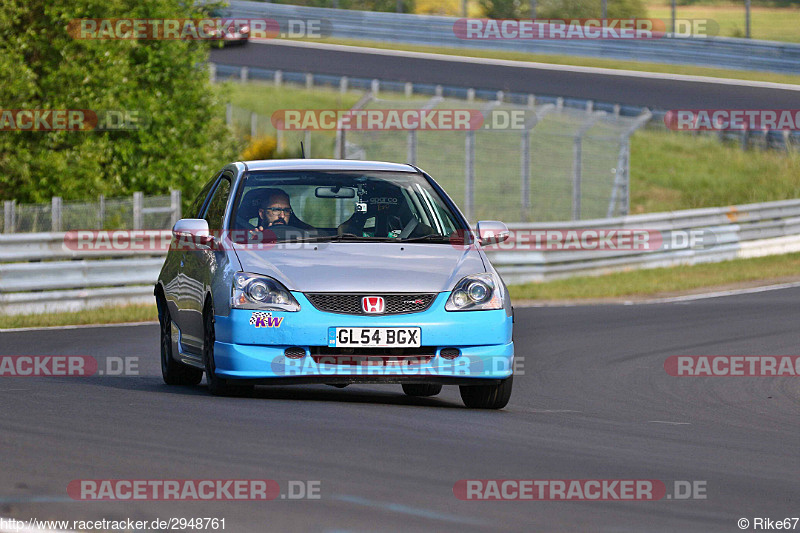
(589, 106)
(212, 72)
(138, 201)
(101, 211)
(309, 80)
(343, 84)
(243, 74)
(55, 214)
(307, 143)
(500, 95)
(469, 175)
(408, 89)
(175, 205)
(375, 87)
(559, 103)
(279, 138)
(470, 94)
(438, 91)
(253, 125)
(229, 114)
(9, 216)
(531, 101)
(278, 78)
(525, 174)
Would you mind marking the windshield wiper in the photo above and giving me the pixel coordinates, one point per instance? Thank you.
(444, 239)
(342, 238)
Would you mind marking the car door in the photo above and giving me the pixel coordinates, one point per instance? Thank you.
(200, 264)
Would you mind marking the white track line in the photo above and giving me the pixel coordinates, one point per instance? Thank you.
(81, 326)
(529, 64)
(672, 299)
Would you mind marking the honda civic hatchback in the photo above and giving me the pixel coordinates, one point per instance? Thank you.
(334, 272)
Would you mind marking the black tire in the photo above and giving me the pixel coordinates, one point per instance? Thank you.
(173, 372)
(422, 389)
(216, 385)
(487, 396)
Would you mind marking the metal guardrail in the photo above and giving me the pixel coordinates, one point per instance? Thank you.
(94, 279)
(739, 54)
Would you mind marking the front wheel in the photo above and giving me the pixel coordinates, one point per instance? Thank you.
(487, 396)
(216, 385)
(173, 372)
(422, 389)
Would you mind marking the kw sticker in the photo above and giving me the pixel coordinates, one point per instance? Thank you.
(265, 320)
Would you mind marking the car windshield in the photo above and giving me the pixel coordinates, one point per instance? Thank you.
(316, 206)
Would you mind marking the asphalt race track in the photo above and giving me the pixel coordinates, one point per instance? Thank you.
(639, 90)
(593, 402)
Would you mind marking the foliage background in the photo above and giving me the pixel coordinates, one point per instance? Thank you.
(42, 67)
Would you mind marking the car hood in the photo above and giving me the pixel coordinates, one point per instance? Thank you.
(363, 267)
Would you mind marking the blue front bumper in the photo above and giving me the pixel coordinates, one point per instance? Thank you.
(244, 351)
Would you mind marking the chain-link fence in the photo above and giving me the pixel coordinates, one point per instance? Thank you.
(134, 212)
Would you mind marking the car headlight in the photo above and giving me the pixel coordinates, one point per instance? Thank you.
(477, 292)
(252, 291)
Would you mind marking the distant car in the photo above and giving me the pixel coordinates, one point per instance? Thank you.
(334, 272)
(233, 32)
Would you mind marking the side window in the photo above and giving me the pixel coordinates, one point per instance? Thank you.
(215, 212)
(197, 204)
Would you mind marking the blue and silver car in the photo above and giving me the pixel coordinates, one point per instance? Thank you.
(334, 272)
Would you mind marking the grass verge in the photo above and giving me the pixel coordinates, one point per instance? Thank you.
(101, 315)
(581, 61)
(660, 282)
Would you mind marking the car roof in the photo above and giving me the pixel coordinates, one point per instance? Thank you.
(326, 164)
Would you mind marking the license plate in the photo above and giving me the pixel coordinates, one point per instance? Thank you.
(374, 337)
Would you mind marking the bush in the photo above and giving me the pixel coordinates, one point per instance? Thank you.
(185, 141)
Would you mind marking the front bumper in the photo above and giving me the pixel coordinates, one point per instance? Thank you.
(256, 354)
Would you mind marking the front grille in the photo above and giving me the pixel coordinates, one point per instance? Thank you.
(350, 304)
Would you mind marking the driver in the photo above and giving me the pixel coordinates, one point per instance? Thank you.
(275, 210)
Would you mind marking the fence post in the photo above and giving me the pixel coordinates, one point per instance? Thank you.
(412, 147)
(175, 205)
(138, 200)
(55, 214)
(279, 138)
(101, 211)
(9, 216)
(307, 143)
(525, 174)
(229, 114)
(253, 125)
(469, 177)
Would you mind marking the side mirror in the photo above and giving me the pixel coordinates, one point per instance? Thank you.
(492, 232)
(194, 230)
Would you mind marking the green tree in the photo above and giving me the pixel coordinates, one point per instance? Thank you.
(42, 67)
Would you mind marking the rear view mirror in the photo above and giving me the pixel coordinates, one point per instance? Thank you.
(492, 232)
(335, 192)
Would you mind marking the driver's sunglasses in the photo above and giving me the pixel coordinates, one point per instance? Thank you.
(277, 210)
